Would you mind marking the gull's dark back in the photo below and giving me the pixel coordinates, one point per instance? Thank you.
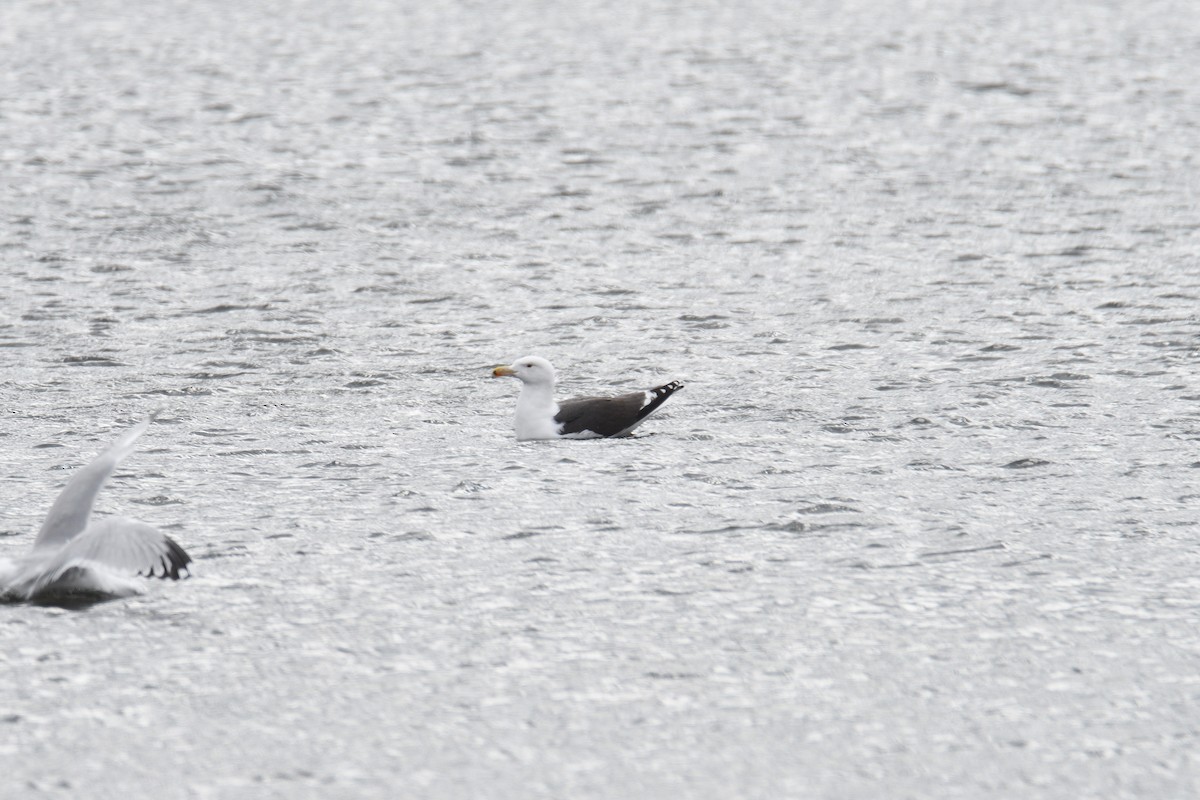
(611, 416)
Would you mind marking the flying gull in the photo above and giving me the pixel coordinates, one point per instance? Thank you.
(76, 556)
(539, 416)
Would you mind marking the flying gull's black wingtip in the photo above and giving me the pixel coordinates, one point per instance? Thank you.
(172, 564)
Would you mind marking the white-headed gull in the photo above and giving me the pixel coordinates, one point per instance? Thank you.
(539, 416)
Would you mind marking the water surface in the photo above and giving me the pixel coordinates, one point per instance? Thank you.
(922, 524)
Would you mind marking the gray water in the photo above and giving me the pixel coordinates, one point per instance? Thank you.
(923, 523)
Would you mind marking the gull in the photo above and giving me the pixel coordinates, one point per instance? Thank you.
(539, 416)
(74, 555)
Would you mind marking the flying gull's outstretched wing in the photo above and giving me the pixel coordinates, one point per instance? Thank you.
(69, 515)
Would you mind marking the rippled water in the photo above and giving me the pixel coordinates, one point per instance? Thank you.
(922, 524)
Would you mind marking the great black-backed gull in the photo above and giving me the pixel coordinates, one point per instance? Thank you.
(539, 416)
(74, 556)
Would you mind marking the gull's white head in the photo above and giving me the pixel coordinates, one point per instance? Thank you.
(529, 369)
